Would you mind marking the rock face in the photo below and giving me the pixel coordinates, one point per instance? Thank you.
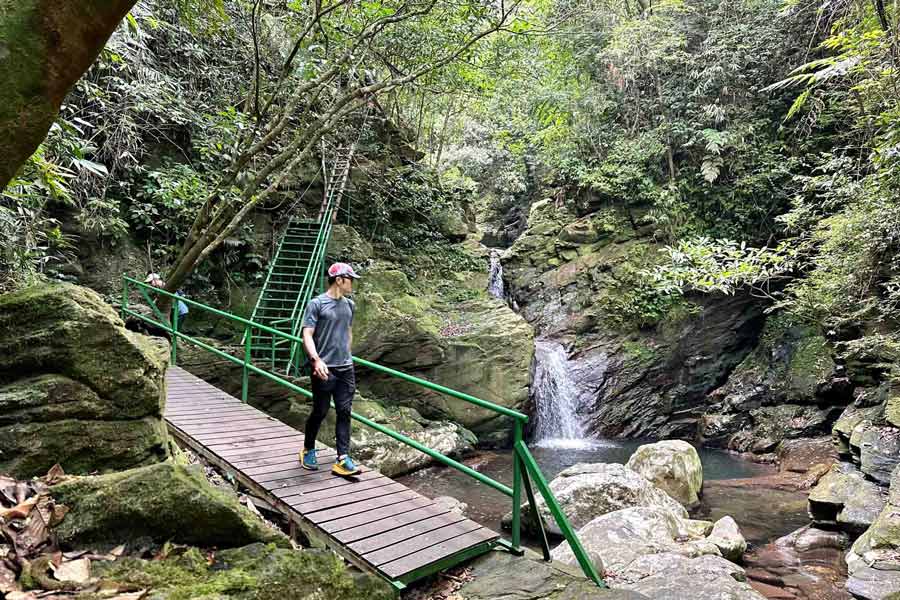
(673, 466)
(573, 276)
(587, 490)
(874, 559)
(478, 346)
(844, 497)
(789, 387)
(162, 502)
(76, 387)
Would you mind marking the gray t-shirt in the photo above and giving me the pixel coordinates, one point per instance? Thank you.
(331, 320)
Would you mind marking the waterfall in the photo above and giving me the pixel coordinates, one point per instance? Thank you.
(556, 400)
(495, 279)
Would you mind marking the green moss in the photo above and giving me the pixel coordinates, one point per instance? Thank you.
(163, 502)
(255, 572)
(639, 352)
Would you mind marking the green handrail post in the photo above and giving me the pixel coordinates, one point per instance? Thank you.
(517, 489)
(584, 560)
(124, 306)
(245, 375)
(174, 331)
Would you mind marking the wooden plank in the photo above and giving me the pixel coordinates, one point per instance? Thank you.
(263, 435)
(376, 514)
(241, 449)
(228, 426)
(420, 542)
(397, 568)
(215, 409)
(244, 421)
(341, 512)
(214, 417)
(404, 533)
(342, 486)
(214, 442)
(308, 508)
(389, 522)
(314, 483)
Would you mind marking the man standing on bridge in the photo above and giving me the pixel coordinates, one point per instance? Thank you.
(327, 337)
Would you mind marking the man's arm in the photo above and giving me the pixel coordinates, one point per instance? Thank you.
(320, 370)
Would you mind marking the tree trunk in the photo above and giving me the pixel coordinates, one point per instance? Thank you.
(45, 46)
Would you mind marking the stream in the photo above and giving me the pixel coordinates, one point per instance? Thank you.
(763, 514)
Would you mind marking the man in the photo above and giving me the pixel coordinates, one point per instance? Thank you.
(156, 281)
(327, 337)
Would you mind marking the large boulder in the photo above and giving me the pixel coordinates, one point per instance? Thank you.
(673, 466)
(76, 387)
(393, 457)
(676, 577)
(618, 542)
(161, 502)
(588, 490)
(844, 497)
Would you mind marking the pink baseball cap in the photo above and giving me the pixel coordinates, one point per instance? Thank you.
(342, 270)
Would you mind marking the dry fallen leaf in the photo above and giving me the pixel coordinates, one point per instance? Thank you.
(19, 511)
(55, 474)
(78, 570)
(7, 579)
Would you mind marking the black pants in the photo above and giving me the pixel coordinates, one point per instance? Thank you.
(340, 386)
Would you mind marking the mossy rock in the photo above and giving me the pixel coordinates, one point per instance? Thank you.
(253, 572)
(81, 445)
(162, 502)
(70, 330)
(346, 245)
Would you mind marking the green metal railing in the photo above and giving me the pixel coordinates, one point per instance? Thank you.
(525, 468)
(316, 265)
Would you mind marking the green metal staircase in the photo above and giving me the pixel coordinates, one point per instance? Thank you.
(296, 273)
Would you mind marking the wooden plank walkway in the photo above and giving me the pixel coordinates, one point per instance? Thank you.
(376, 523)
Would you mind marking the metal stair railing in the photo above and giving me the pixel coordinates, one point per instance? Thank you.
(525, 468)
(336, 186)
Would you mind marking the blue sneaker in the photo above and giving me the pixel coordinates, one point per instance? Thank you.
(345, 467)
(308, 460)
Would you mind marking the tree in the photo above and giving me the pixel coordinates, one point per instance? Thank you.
(343, 56)
(44, 49)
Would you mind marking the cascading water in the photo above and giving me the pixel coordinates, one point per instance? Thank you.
(495, 278)
(556, 400)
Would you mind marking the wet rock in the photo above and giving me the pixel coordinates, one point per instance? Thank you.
(879, 452)
(807, 564)
(502, 576)
(726, 535)
(588, 490)
(161, 502)
(673, 466)
(478, 346)
(874, 558)
(844, 497)
(76, 387)
(799, 456)
(770, 425)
